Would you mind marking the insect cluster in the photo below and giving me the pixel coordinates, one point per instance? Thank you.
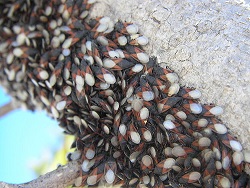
(135, 126)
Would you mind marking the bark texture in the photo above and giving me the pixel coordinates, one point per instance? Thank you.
(61, 177)
(205, 42)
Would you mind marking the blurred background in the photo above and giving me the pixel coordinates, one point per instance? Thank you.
(31, 144)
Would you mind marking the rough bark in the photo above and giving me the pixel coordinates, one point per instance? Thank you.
(205, 42)
(61, 177)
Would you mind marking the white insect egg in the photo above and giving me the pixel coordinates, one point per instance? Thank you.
(89, 59)
(102, 27)
(147, 136)
(53, 24)
(89, 79)
(144, 113)
(137, 68)
(225, 182)
(61, 105)
(54, 112)
(148, 95)
(109, 78)
(147, 160)
(61, 37)
(21, 39)
(137, 104)
(77, 120)
(98, 60)
(129, 92)
(168, 124)
(182, 115)
(67, 90)
(172, 77)
(102, 40)
(75, 155)
(195, 108)
(48, 11)
(95, 114)
(220, 128)
(89, 45)
(104, 20)
(173, 89)
(84, 14)
(135, 137)
(235, 145)
(204, 142)
(55, 42)
(169, 163)
(238, 157)
(132, 29)
(194, 176)
(59, 21)
(44, 75)
(143, 57)
(79, 80)
(195, 94)
(84, 165)
(133, 156)
(113, 54)
(122, 40)
(217, 110)
(10, 58)
(18, 52)
(202, 122)
(110, 176)
(142, 40)
(146, 179)
(17, 29)
(123, 129)
(169, 117)
(114, 141)
(67, 43)
(178, 151)
(218, 165)
(90, 154)
(92, 180)
(66, 52)
(116, 105)
(120, 52)
(104, 85)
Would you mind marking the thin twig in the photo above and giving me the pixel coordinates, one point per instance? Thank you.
(5, 109)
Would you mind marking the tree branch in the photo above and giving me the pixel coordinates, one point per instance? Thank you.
(5, 109)
(61, 177)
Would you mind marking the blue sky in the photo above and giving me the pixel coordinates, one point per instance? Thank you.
(25, 138)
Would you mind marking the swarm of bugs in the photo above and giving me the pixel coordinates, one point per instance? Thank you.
(134, 125)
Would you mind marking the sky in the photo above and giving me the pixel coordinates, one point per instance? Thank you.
(26, 138)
